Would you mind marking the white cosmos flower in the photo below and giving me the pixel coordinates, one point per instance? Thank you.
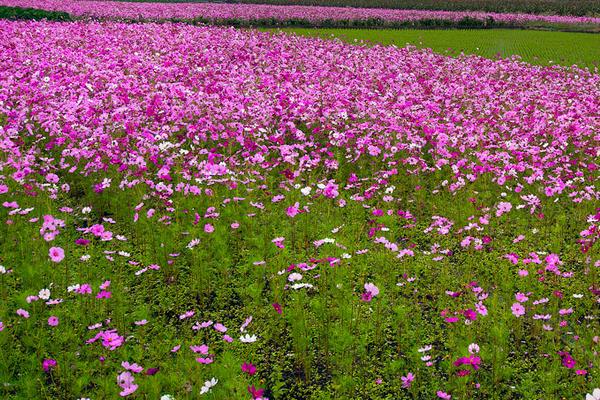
(247, 338)
(594, 396)
(44, 294)
(297, 286)
(473, 348)
(294, 277)
(72, 288)
(208, 385)
(306, 191)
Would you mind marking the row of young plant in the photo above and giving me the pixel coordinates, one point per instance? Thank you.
(19, 13)
(559, 7)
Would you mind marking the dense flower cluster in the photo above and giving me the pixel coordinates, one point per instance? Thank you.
(253, 12)
(164, 185)
(163, 105)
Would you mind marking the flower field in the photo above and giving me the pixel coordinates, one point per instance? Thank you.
(289, 14)
(203, 212)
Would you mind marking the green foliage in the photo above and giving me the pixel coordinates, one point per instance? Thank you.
(327, 344)
(16, 13)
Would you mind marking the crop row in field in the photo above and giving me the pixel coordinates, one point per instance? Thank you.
(560, 7)
(270, 15)
(209, 212)
(571, 7)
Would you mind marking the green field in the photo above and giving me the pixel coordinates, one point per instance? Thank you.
(536, 47)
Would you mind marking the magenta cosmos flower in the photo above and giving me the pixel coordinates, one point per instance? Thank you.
(48, 364)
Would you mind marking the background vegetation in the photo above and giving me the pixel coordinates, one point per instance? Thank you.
(560, 7)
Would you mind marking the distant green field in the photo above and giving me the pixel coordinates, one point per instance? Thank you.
(536, 47)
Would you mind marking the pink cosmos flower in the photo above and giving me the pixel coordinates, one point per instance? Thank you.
(294, 210)
(202, 349)
(53, 321)
(126, 381)
(103, 294)
(105, 285)
(56, 254)
(187, 314)
(278, 241)
(52, 178)
(22, 313)
(132, 367)
(407, 380)
(443, 395)
(110, 339)
(85, 288)
(370, 291)
(208, 228)
(517, 309)
(521, 297)
(503, 207)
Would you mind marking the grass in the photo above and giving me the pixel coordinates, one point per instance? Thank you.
(536, 47)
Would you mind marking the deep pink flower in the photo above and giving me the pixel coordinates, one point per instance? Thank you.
(48, 364)
(249, 368)
(255, 392)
